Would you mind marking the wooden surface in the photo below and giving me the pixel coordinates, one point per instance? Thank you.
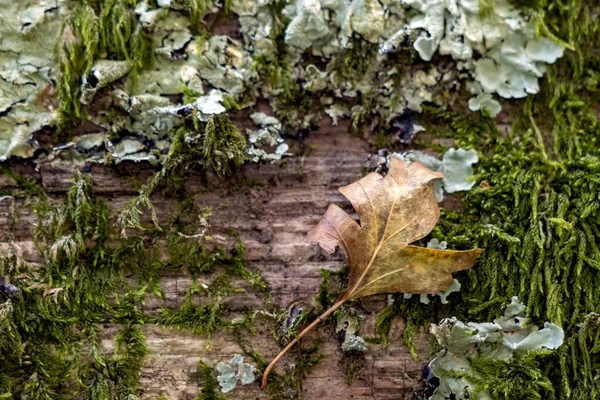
(272, 218)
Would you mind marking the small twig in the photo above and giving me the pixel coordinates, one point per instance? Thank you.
(297, 338)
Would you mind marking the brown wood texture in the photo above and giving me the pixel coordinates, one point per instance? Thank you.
(272, 217)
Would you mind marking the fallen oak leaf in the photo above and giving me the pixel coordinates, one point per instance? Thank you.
(394, 211)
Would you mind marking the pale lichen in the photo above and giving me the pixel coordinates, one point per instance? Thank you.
(496, 52)
(348, 324)
(499, 49)
(233, 371)
(269, 135)
(28, 32)
(473, 349)
(456, 164)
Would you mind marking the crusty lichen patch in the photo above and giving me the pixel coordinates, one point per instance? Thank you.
(27, 70)
(127, 57)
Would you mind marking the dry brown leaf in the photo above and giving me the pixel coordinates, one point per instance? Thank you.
(394, 211)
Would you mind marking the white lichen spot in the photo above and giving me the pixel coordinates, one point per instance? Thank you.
(103, 72)
(486, 103)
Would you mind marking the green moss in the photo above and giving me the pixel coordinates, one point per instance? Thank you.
(351, 372)
(50, 333)
(275, 69)
(584, 357)
(210, 385)
(204, 318)
(223, 145)
(354, 61)
(288, 385)
(196, 10)
(61, 305)
(199, 314)
(353, 364)
(215, 144)
(116, 376)
(212, 145)
(76, 51)
(521, 378)
(121, 37)
(107, 29)
(27, 187)
(326, 296)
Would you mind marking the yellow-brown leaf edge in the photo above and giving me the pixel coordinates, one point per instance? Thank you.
(394, 211)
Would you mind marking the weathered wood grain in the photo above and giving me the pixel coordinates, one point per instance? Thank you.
(272, 218)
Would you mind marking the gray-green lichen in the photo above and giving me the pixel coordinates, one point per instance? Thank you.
(362, 67)
(267, 136)
(103, 72)
(132, 102)
(458, 169)
(28, 32)
(224, 64)
(466, 347)
(233, 371)
(499, 48)
(456, 164)
(348, 323)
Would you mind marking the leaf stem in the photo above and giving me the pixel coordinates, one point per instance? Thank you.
(298, 337)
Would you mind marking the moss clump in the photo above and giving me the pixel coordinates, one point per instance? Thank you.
(326, 296)
(116, 376)
(106, 29)
(276, 69)
(50, 329)
(223, 146)
(288, 386)
(353, 364)
(521, 378)
(354, 61)
(26, 187)
(210, 385)
(62, 302)
(584, 357)
(203, 310)
(196, 10)
(212, 145)
(76, 51)
(121, 37)
(204, 318)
